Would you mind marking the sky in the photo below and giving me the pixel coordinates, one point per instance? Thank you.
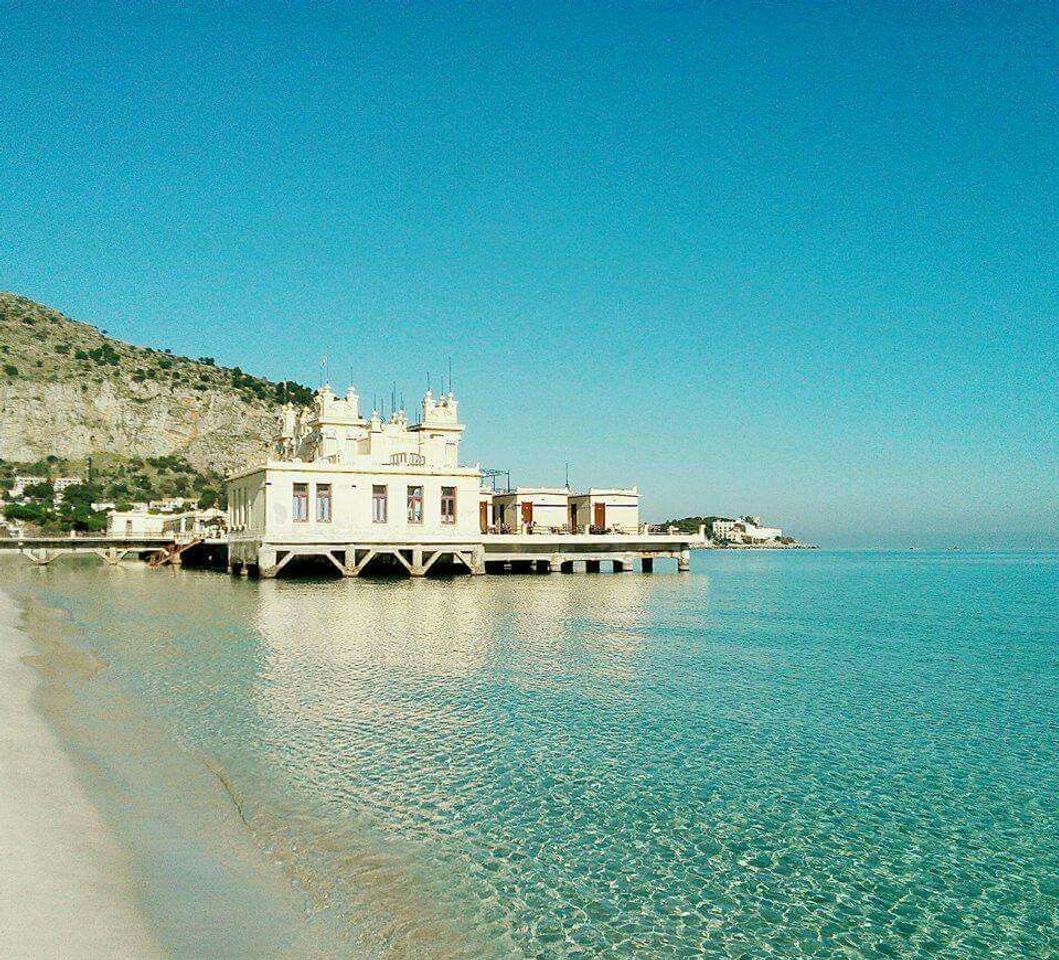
(795, 260)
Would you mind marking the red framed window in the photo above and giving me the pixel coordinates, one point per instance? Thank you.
(448, 504)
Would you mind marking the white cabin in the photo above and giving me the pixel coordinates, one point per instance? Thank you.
(596, 510)
(526, 509)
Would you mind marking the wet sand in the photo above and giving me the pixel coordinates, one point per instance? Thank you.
(67, 889)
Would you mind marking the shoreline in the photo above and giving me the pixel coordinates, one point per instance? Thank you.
(68, 889)
(174, 870)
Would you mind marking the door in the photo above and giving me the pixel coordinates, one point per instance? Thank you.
(483, 517)
(573, 518)
(527, 512)
(599, 516)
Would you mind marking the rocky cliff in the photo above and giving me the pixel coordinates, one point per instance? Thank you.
(69, 391)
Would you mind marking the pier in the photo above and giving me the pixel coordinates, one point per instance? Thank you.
(156, 550)
(44, 550)
(487, 554)
(560, 552)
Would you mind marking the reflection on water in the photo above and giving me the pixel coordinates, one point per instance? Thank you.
(807, 755)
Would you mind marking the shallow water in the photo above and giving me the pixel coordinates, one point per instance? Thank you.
(787, 754)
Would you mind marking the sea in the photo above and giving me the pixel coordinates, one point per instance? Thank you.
(780, 754)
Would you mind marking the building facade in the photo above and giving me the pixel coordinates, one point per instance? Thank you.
(743, 530)
(596, 511)
(351, 489)
(526, 509)
(134, 523)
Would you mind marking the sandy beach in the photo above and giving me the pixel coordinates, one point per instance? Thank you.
(67, 889)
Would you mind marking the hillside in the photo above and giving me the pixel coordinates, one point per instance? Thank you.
(68, 391)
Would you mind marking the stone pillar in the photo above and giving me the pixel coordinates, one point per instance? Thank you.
(417, 561)
(591, 566)
(350, 563)
(478, 561)
(684, 561)
(647, 564)
(266, 563)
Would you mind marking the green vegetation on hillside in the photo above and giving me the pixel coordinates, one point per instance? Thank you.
(50, 347)
(689, 524)
(107, 478)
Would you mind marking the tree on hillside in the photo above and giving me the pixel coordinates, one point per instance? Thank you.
(40, 491)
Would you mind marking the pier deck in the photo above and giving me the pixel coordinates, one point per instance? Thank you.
(562, 551)
(488, 553)
(43, 550)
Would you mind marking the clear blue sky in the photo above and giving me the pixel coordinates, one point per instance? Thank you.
(797, 260)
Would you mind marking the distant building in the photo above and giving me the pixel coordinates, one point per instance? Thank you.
(760, 534)
(745, 528)
(169, 504)
(134, 523)
(722, 528)
(601, 510)
(61, 484)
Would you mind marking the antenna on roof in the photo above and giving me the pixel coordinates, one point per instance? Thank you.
(567, 474)
(393, 398)
(450, 374)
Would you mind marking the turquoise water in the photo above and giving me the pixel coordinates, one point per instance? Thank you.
(780, 754)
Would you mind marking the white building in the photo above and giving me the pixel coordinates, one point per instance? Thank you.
(205, 523)
(758, 533)
(134, 523)
(742, 530)
(352, 488)
(526, 509)
(61, 484)
(169, 504)
(596, 511)
(723, 528)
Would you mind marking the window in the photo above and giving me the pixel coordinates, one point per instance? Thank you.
(448, 504)
(415, 504)
(378, 504)
(323, 503)
(300, 509)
